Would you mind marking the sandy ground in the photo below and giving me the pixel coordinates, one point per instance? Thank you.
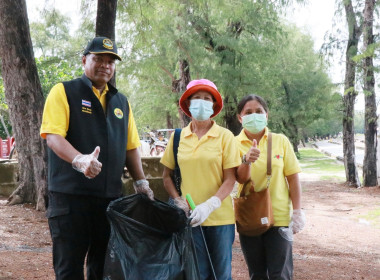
(341, 239)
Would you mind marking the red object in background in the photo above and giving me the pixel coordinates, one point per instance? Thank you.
(5, 147)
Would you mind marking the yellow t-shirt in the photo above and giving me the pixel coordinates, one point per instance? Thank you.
(56, 116)
(202, 163)
(284, 163)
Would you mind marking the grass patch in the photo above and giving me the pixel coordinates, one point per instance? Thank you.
(313, 161)
(373, 217)
(330, 178)
(308, 153)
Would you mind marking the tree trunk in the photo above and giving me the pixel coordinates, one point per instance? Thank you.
(349, 97)
(105, 23)
(179, 87)
(24, 97)
(169, 121)
(232, 122)
(369, 164)
(292, 131)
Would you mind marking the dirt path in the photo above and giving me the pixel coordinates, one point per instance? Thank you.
(341, 240)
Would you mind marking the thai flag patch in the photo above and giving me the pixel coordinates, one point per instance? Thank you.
(86, 103)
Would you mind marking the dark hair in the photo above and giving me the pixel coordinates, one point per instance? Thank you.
(251, 97)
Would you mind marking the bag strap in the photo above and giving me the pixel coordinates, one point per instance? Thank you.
(269, 155)
(269, 159)
(177, 136)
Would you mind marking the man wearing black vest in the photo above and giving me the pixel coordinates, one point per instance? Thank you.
(91, 135)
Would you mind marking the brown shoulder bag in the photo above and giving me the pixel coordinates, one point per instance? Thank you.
(253, 211)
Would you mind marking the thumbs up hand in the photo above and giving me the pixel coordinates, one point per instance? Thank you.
(88, 164)
(253, 153)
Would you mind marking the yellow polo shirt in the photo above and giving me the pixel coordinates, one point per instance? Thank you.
(202, 162)
(284, 163)
(56, 115)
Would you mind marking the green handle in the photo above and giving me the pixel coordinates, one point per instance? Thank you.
(190, 201)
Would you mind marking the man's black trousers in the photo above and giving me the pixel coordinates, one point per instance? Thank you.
(79, 228)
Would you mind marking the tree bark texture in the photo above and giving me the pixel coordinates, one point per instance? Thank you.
(292, 131)
(349, 97)
(24, 97)
(169, 120)
(106, 18)
(370, 122)
(179, 87)
(230, 118)
(105, 23)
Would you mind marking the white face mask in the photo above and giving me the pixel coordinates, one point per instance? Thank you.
(254, 123)
(200, 109)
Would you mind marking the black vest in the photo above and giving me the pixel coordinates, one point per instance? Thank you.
(89, 127)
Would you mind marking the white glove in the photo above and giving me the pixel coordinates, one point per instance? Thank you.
(181, 203)
(298, 220)
(142, 186)
(203, 210)
(88, 164)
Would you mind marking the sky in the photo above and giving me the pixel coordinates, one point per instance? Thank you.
(67, 7)
(316, 19)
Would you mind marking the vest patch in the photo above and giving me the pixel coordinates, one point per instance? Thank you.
(86, 110)
(118, 113)
(86, 103)
(86, 106)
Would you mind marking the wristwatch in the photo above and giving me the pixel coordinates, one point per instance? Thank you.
(244, 161)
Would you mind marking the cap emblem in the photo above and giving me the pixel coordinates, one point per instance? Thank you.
(107, 43)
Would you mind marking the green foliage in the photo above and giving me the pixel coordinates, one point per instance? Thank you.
(53, 70)
(303, 93)
(4, 112)
(51, 36)
(330, 123)
(369, 52)
(3, 104)
(359, 122)
(242, 47)
(58, 53)
(350, 90)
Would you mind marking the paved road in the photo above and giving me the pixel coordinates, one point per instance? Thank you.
(336, 150)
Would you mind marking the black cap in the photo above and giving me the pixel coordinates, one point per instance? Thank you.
(101, 45)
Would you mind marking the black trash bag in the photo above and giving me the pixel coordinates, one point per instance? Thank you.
(149, 240)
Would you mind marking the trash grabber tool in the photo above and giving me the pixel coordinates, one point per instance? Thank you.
(192, 206)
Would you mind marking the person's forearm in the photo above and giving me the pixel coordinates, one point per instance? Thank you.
(295, 190)
(243, 173)
(61, 147)
(168, 183)
(227, 185)
(133, 164)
